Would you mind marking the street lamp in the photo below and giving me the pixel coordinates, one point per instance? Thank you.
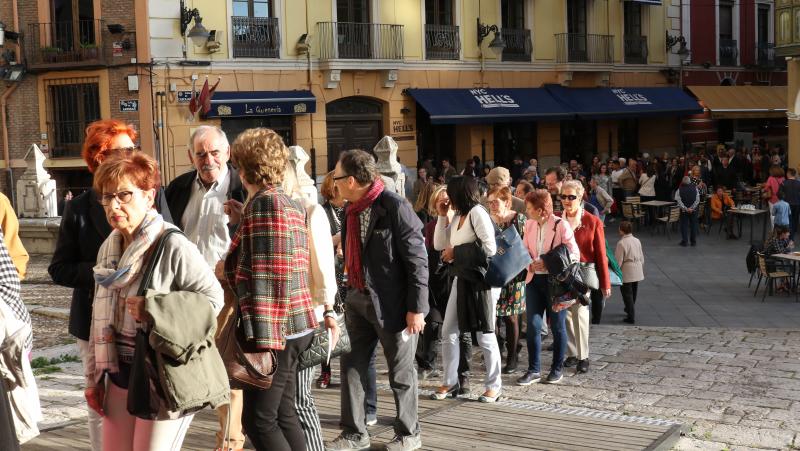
(497, 44)
(672, 41)
(198, 33)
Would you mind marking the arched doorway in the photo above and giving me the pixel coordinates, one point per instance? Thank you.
(353, 123)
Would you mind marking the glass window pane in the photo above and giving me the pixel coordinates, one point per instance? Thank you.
(240, 9)
(260, 9)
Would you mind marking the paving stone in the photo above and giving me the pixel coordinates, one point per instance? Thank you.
(686, 403)
(682, 372)
(755, 437)
(712, 395)
(662, 390)
(763, 401)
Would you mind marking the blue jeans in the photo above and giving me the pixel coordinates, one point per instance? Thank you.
(689, 227)
(536, 302)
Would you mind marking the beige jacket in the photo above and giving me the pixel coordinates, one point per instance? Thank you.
(630, 258)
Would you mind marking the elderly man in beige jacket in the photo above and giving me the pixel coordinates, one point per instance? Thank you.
(500, 176)
(630, 257)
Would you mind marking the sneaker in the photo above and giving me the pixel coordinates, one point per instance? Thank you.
(372, 419)
(570, 362)
(554, 377)
(348, 442)
(583, 366)
(463, 383)
(404, 443)
(324, 380)
(529, 378)
(428, 373)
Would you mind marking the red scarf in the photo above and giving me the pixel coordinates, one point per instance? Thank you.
(352, 252)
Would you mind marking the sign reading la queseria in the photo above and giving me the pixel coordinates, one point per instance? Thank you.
(487, 100)
(628, 98)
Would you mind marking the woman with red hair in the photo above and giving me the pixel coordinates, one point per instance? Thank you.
(84, 227)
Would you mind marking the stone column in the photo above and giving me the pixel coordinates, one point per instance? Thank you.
(36, 191)
(388, 166)
(298, 159)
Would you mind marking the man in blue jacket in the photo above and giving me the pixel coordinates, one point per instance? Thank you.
(387, 269)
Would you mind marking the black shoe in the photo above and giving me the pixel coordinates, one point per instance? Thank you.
(570, 362)
(511, 366)
(683, 243)
(628, 320)
(529, 378)
(583, 366)
(463, 382)
(549, 347)
(554, 377)
(694, 243)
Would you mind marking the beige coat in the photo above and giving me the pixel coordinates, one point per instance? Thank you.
(630, 258)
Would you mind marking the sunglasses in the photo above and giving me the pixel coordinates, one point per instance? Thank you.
(568, 197)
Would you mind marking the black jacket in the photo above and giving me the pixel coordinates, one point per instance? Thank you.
(473, 295)
(180, 189)
(395, 261)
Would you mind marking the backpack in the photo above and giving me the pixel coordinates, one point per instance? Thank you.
(751, 260)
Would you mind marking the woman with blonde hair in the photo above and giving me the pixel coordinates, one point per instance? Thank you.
(422, 201)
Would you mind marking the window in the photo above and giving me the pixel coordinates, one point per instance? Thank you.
(633, 19)
(73, 24)
(252, 8)
(725, 19)
(439, 12)
(72, 104)
(763, 23)
(352, 11)
(576, 16)
(513, 14)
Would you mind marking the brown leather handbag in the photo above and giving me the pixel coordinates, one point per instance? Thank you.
(248, 368)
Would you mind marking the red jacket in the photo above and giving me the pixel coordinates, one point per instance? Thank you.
(591, 239)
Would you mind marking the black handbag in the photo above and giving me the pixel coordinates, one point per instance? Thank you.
(145, 395)
(317, 352)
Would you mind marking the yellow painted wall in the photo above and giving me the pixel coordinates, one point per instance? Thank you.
(793, 82)
(408, 14)
(215, 17)
(548, 20)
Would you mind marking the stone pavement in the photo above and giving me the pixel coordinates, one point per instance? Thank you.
(704, 352)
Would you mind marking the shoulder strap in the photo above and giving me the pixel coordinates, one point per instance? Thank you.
(158, 250)
(555, 227)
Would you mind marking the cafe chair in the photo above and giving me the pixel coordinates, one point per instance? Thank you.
(633, 199)
(632, 212)
(671, 219)
(772, 271)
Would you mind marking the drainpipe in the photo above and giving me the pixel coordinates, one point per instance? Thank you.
(6, 154)
(15, 14)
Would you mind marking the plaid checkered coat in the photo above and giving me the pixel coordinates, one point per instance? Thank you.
(267, 267)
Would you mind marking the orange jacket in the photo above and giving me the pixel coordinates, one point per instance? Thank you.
(717, 203)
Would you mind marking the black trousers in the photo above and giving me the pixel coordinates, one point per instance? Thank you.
(598, 302)
(629, 291)
(270, 418)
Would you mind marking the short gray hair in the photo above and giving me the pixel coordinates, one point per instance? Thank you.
(203, 130)
(575, 185)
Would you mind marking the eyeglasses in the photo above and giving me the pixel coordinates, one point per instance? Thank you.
(568, 197)
(203, 155)
(123, 197)
(340, 177)
(126, 149)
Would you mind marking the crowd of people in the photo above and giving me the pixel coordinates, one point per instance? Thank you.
(235, 244)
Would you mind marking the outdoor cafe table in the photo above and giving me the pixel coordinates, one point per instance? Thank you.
(655, 208)
(751, 214)
(794, 258)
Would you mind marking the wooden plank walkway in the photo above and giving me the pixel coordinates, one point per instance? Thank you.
(449, 425)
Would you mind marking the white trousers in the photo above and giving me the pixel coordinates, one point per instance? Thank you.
(577, 323)
(487, 342)
(125, 432)
(95, 420)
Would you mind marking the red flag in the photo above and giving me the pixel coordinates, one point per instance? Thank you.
(209, 93)
(197, 103)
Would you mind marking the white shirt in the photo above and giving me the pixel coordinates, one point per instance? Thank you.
(648, 185)
(445, 236)
(615, 175)
(204, 220)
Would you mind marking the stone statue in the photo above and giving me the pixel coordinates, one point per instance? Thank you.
(388, 166)
(298, 159)
(36, 191)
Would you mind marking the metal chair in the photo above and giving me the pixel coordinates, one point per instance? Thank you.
(672, 218)
(772, 271)
(632, 212)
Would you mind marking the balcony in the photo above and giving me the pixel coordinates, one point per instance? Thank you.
(765, 57)
(635, 49)
(369, 41)
(255, 37)
(728, 52)
(66, 45)
(442, 42)
(584, 48)
(518, 44)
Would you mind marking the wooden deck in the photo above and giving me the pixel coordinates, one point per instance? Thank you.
(449, 425)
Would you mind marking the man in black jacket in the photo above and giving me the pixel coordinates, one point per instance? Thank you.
(791, 193)
(198, 202)
(387, 269)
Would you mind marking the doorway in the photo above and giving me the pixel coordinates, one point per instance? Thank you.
(353, 123)
(578, 140)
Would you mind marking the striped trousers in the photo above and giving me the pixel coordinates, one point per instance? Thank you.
(307, 410)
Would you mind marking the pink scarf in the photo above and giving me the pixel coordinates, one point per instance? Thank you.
(352, 252)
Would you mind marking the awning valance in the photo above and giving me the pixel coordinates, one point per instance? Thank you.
(610, 103)
(471, 106)
(261, 103)
(739, 102)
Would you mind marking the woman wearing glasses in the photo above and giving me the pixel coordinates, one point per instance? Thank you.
(591, 239)
(83, 229)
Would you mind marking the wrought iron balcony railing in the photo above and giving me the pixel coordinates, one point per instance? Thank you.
(66, 44)
(584, 48)
(518, 44)
(256, 37)
(635, 49)
(442, 42)
(728, 52)
(350, 40)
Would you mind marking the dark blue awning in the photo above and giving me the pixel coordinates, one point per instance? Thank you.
(609, 103)
(649, 2)
(261, 103)
(475, 106)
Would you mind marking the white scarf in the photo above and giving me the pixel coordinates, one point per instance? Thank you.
(115, 274)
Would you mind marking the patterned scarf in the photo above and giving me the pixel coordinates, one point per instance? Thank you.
(352, 254)
(10, 290)
(117, 273)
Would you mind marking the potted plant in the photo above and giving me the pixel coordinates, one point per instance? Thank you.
(51, 54)
(89, 51)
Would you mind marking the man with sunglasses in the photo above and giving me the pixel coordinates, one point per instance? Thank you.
(200, 202)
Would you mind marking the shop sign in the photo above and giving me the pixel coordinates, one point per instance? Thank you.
(401, 127)
(486, 100)
(186, 96)
(630, 98)
(129, 105)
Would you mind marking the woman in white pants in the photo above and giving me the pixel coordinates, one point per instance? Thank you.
(471, 223)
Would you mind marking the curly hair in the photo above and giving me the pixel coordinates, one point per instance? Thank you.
(98, 137)
(139, 168)
(261, 155)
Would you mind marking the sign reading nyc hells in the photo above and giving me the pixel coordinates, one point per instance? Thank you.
(631, 98)
(487, 100)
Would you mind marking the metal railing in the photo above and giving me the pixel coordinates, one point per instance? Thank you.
(350, 40)
(442, 42)
(765, 53)
(70, 108)
(256, 37)
(518, 44)
(584, 48)
(728, 52)
(635, 49)
(70, 43)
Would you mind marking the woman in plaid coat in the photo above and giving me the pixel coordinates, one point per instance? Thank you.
(267, 269)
